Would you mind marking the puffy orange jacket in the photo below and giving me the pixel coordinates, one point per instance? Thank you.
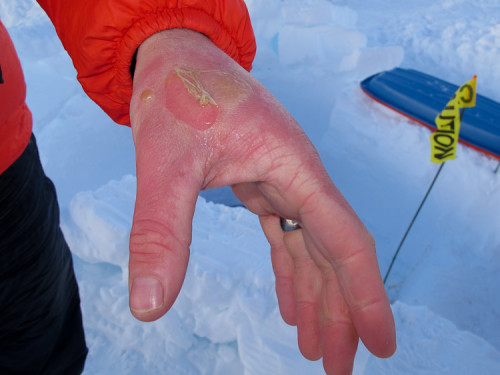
(15, 117)
(101, 36)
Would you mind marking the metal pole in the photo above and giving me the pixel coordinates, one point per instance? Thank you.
(413, 221)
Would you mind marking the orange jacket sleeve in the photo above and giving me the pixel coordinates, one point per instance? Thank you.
(101, 36)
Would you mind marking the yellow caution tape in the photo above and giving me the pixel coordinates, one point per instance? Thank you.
(444, 140)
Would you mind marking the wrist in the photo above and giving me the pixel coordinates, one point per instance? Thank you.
(174, 47)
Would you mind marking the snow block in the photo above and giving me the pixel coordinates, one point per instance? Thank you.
(429, 344)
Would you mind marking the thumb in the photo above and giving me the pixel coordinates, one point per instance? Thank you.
(167, 189)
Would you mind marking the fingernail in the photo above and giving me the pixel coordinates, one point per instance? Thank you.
(146, 294)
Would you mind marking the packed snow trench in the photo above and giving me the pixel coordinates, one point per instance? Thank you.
(312, 54)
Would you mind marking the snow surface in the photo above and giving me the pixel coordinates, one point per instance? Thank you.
(312, 56)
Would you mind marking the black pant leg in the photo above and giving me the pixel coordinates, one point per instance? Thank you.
(41, 328)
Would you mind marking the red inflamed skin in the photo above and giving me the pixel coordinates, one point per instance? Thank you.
(200, 121)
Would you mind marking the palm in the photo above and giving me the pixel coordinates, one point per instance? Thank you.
(199, 122)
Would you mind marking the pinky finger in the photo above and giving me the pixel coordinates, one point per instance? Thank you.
(283, 266)
(307, 289)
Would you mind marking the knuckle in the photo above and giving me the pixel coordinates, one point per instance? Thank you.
(151, 242)
(353, 256)
(367, 305)
(336, 323)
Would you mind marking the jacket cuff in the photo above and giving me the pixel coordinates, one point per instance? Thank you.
(103, 47)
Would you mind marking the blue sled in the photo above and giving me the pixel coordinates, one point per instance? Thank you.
(422, 97)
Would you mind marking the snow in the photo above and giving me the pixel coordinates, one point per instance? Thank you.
(312, 56)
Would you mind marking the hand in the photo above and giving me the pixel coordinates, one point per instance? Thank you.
(200, 121)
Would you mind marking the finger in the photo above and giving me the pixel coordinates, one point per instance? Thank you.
(342, 239)
(283, 267)
(167, 190)
(307, 289)
(339, 343)
(339, 338)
